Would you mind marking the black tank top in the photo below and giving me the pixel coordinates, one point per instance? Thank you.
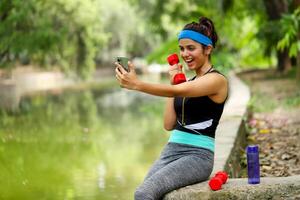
(198, 115)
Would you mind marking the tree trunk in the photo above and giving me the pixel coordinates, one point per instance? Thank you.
(275, 9)
(295, 5)
(283, 61)
(298, 67)
(298, 59)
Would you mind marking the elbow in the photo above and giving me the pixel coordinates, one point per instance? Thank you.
(168, 127)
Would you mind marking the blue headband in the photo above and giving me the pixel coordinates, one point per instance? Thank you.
(193, 35)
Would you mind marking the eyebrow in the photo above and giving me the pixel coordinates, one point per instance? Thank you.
(189, 45)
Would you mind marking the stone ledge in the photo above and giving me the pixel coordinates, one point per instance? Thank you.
(239, 189)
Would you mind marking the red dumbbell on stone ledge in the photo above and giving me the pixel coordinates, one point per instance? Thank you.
(218, 180)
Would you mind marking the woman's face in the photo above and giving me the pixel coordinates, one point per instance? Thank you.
(192, 53)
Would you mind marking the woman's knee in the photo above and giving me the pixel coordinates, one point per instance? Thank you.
(141, 194)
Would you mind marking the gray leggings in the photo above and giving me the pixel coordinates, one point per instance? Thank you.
(179, 165)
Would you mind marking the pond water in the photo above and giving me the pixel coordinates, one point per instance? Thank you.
(88, 144)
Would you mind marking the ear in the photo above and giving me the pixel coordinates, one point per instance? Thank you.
(208, 49)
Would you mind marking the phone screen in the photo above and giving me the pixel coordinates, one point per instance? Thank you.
(124, 62)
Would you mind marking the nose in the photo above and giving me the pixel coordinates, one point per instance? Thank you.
(184, 53)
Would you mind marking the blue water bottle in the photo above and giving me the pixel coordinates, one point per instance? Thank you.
(253, 164)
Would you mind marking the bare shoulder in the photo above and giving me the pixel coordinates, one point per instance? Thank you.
(221, 85)
(207, 85)
(216, 78)
(218, 74)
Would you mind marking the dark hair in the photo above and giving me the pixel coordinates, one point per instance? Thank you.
(206, 27)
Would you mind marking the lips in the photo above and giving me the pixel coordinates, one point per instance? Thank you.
(189, 62)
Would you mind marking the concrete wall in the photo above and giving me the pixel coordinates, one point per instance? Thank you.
(24, 82)
(38, 81)
(9, 95)
(227, 134)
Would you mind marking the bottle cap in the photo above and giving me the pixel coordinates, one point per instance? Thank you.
(252, 149)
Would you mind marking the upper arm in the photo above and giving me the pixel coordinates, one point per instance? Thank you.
(210, 84)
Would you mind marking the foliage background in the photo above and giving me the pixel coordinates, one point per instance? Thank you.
(78, 36)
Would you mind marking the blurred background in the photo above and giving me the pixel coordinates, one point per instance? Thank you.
(67, 131)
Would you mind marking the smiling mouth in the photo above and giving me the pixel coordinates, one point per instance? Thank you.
(188, 61)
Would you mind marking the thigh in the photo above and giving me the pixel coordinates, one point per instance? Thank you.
(184, 171)
(167, 156)
(158, 164)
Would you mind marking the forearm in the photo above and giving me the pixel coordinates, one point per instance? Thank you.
(169, 115)
(163, 90)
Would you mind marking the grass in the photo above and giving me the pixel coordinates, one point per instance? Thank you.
(261, 103)
(270, 91)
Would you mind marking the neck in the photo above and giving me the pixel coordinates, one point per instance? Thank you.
(204, 69)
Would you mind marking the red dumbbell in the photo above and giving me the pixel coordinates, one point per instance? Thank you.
(179, 77)
(218, 180)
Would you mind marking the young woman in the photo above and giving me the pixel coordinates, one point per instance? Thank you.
(192, 113)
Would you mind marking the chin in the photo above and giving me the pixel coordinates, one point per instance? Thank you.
(191, 67)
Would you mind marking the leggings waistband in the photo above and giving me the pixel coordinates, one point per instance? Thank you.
(202, 141)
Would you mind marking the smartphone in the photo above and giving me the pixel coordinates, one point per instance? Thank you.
(124, 62)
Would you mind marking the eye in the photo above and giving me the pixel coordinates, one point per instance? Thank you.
(181, 48)
(190, 48)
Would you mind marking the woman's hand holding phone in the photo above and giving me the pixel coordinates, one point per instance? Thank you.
(124, 62)
(127, 77)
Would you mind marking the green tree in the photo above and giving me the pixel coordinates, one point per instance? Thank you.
(72, 34)
(127, 31)
(236, 25)
(271, 29)
(63, 33)
(247, 29)
(291, 37)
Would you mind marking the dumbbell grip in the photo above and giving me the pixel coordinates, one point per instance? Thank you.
(179, 77)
